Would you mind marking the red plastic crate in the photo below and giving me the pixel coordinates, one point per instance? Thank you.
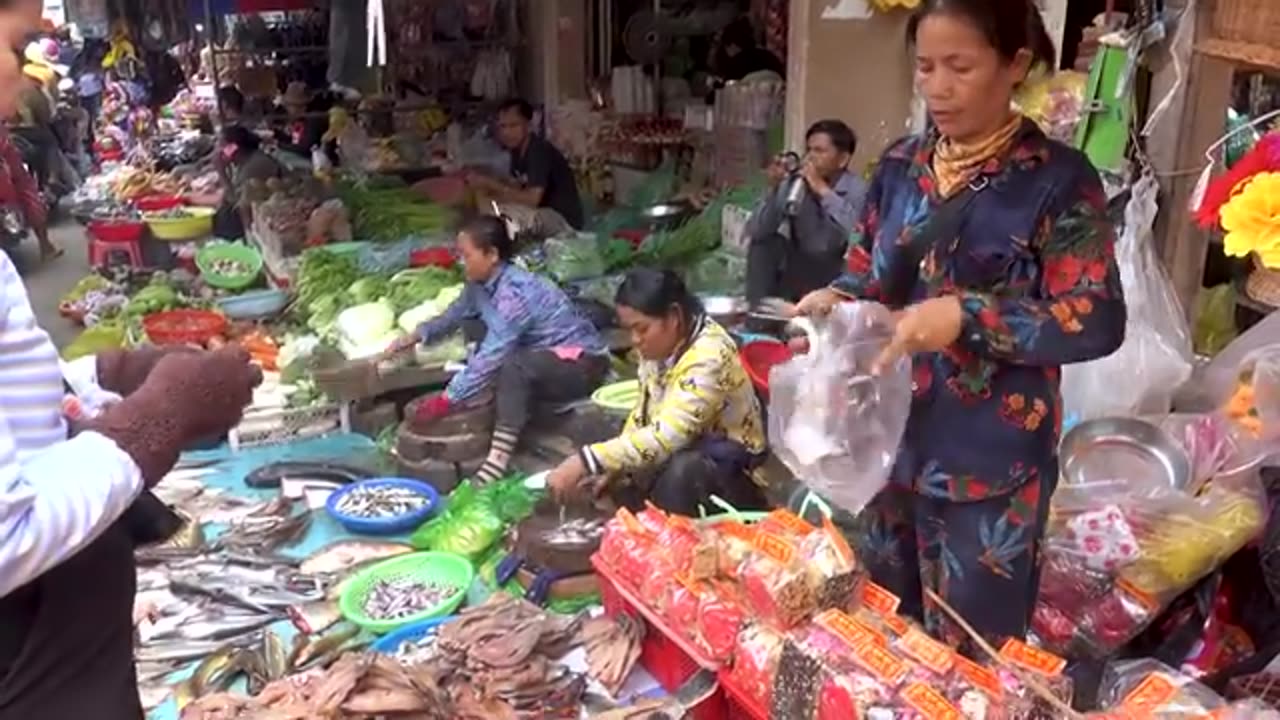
(738, 704)
(661, 654)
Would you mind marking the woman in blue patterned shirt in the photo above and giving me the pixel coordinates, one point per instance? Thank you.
(993, 242)
(537, 347)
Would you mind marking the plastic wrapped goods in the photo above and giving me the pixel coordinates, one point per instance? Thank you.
(1116, 553)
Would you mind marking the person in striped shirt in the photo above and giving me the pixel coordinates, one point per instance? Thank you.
(67, 576)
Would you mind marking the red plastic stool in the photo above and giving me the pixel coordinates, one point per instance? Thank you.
(107, 238)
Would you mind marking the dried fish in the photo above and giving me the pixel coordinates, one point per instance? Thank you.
(276, 527)
(380, 501)
(613, 647)
(419, 650)
(315, 617)
(580, 531)
(393, 599)
(307, 650)
(346, 555)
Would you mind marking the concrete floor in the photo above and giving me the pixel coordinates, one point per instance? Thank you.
(48, 281)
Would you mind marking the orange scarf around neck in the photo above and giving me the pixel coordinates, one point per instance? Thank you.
(955, 164)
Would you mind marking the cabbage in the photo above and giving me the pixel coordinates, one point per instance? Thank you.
(413, 317)
(366, 330)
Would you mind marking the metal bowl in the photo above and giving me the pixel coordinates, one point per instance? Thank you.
(1107, 450)
(666, 215)
(728, 310)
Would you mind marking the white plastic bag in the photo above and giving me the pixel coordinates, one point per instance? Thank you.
(1156, 357)
(833, 424)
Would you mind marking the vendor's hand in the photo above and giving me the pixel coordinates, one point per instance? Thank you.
(814, 179)
(432, 409)
(776, 171)
(818, 303)
(565, 481)
(187, 397)
(402, 344)
(928, 326)
(211, 389)
(123, 371)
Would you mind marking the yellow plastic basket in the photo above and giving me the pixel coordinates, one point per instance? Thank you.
(197, 223)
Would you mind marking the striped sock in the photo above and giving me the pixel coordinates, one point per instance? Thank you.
(500, 452)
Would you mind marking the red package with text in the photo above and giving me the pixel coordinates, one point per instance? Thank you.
(755, 661)
(682, 543)
(776, 582)
(652, 518)
(679, 605)
(734, 542)
(722, 614)
(833, 568)
(661, 576)
(785, 523)
(628, 548)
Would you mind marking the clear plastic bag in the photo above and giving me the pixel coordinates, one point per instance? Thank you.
(1157, 338)
(1149, 688)
(1118, 552)
(833, 424)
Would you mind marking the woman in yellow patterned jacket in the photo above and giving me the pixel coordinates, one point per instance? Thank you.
(696, 430)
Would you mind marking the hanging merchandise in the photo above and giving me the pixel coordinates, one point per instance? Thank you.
(1103, 132)
(1263, 157)
(376, 34)
(1157, 339)
(492, 78)
(347, 53)
(1251, 220)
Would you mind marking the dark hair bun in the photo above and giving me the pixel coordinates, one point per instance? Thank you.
(490, 233)
(1009, 25)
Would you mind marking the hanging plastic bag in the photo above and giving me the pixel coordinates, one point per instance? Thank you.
(1214, 381)
(1157, 339)
(835, 425)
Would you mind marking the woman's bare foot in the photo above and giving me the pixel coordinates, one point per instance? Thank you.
(50, 252)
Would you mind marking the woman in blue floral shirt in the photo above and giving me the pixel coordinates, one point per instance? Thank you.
(994, 243)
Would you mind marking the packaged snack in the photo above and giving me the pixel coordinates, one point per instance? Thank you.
(734, 541)
(1118, 552)
(755, 661)
(722, 614)
(682, 543)
(627, 547)
(679, 604)
(777, 582)
(786, 524)
(1150, 689)
(833, 569)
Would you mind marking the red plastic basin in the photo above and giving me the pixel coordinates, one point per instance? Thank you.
(159, 203)
(432, 257)
(184, 327)
(758, 358)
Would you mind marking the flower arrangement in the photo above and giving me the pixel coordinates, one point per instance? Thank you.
(1245, 202)
(1251, 220)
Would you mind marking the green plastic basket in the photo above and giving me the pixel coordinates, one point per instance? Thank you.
(210, 254)
(437, 567)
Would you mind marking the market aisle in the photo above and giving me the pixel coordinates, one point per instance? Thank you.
(46, 282)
